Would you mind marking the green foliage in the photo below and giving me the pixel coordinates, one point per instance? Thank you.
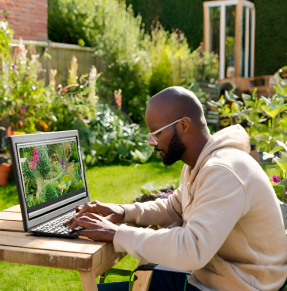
(205, 65)
(22, 95)
(103, 25)
(108, 137)
(50, 191)
(74, 155)
(27, 175)
(44, 165)
(140, 65)
(228, 107)
(5, 34)
(26, 152)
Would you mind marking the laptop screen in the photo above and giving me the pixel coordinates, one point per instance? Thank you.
(51, 174)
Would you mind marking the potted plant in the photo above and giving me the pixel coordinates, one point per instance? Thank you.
(4, 173)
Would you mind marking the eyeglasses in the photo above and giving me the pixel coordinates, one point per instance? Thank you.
(152, 134)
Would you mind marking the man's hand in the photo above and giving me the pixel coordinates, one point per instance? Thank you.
(95, 227)
(112, 212)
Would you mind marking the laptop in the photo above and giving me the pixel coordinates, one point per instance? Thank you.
(50, 179)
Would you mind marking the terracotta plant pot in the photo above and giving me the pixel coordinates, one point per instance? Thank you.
(4, 173)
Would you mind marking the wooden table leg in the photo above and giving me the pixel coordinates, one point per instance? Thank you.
(88, 281)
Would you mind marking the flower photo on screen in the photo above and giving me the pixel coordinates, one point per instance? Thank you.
(50, 171)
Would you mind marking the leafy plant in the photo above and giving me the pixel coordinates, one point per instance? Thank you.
(228, 107)
(50, 191)
(108, 136)
(275, 176)
(150, 191)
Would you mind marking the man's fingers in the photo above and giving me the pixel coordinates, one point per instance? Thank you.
(85, 222)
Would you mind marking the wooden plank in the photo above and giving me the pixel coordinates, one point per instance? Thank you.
(13, 216)
(11, 225)
(25, 240)
(63, 260)
(15, 208)
(88, 281)
(238, 27)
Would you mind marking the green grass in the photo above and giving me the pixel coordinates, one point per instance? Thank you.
(110, 183)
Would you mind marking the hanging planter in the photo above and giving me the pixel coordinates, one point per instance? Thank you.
(4, 173)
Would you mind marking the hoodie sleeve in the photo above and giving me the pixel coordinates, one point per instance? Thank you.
(219, 202)
(159, 212)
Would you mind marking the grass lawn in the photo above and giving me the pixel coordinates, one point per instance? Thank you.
(111, 183)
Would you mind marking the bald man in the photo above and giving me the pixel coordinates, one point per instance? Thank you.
(228, 233)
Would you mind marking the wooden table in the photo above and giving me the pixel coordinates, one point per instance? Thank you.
(90, 258)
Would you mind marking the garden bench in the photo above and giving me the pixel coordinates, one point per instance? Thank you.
(90, 258)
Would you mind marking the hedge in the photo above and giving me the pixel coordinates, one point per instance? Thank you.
(185, 15)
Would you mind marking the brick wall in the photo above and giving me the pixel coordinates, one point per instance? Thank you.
(28, 18)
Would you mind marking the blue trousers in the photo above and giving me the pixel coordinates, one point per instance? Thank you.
(169, 281)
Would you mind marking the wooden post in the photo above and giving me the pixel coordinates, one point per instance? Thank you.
(238, 27)
(206, 28)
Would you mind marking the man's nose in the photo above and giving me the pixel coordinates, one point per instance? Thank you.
(152, 142)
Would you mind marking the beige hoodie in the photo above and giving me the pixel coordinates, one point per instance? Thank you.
(232, 235)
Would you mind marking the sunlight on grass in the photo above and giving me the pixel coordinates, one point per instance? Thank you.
(106, 183)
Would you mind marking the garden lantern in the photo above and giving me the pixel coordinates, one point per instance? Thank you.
(229, 30)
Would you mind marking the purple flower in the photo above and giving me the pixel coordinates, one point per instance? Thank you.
(63, 163)
(13, 66)
(23, 107)
(276, 179)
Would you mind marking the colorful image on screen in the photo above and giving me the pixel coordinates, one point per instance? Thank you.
(50, 171)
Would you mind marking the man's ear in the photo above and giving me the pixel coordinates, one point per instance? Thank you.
(186, 124)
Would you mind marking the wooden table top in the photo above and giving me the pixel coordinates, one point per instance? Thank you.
(17, 246)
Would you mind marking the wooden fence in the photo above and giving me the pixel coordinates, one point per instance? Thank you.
(62, 54)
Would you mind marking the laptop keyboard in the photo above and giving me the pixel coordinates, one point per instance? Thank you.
(55, 226)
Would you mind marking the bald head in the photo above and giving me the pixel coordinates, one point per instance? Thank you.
(174, 103)
(185, 132)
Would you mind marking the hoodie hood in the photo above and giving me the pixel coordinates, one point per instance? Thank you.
(232, 136)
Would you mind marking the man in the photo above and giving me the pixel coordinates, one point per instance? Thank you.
(230, 231)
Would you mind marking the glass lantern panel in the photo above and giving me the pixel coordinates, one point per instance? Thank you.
(250, 43)
(243, 53)
(214, 13)
(230, 41)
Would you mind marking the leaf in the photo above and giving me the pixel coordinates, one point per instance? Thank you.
(282, 144)
(282, 163)
(276, 149)
(138, 156)
(279, 189)
(267, 156)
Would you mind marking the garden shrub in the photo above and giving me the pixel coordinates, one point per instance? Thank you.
(108, 137)
(185, 15)
(44, 165)
(50, 191)
(27, 175)
(115, 33)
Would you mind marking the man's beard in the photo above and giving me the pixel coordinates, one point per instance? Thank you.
(175, 150)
